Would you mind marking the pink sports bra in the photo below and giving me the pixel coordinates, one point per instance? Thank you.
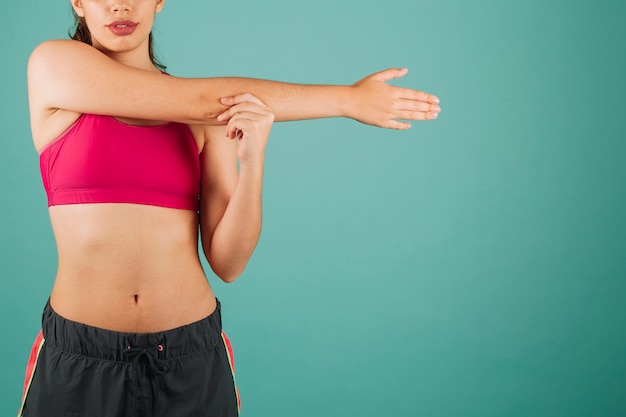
(100, 159)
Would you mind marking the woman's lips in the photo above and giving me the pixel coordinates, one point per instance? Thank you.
(122, 27)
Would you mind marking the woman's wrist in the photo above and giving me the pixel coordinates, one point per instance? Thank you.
(344, 98)
(252, 168)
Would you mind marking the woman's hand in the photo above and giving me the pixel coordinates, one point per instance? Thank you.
(249, 122)
(374, 102)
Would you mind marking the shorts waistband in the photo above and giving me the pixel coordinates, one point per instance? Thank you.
(81, 339)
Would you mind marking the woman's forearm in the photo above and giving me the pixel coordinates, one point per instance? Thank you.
(237, 233)
(288, 101)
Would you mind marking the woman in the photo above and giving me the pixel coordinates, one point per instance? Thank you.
(134, 163)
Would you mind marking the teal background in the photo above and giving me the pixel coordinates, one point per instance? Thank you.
(471, 266)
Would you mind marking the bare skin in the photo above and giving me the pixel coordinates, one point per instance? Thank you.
(136, 268)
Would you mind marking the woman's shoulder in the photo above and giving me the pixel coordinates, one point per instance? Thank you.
(49, 61)
(54, 46)
(57, 50)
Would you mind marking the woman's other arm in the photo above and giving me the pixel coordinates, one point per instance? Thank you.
(230, 199)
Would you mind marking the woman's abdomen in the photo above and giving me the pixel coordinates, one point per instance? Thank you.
(129, 268)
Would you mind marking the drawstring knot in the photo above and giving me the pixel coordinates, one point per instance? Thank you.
(157, 367)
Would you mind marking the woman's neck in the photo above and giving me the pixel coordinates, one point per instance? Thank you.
(138, 58)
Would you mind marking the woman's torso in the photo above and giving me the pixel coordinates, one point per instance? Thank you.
(126, 267)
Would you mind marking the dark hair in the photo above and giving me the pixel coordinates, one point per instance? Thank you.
(81, 33)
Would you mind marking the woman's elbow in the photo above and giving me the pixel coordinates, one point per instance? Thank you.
(227, 264)
(228, 277)
(227, 273)
(205, 108)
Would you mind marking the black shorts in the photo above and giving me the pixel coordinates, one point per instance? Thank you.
(77, 370)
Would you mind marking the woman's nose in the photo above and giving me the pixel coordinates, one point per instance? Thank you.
(121, 6)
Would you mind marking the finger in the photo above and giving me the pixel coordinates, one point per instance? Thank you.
(243, 122)
(409, 94)
(414, 105)
(240, 98)
(390, 74)
(227, 101)
(394, 124)
(245, 106)
(249, 115)
(234, 128)
(416, 115)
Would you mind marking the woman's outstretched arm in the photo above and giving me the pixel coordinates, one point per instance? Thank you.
(371, 101)
(73, 76)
